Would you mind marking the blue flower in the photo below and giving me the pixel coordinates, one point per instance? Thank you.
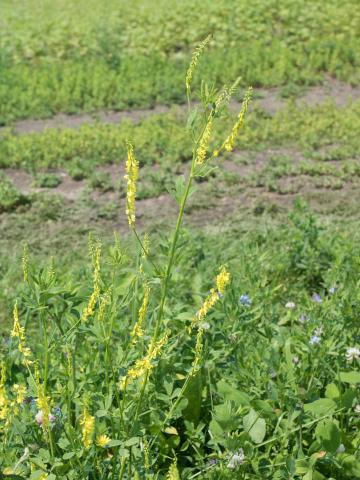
(316, 298)
(245, 300)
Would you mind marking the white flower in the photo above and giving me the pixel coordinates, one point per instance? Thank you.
(204, 325)
(341, 448)
(352, 354)
(290, 305)
(357, 408)
(237, 459)
(315, 340)
(296, 359)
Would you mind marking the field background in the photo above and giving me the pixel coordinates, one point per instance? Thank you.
(79, 78)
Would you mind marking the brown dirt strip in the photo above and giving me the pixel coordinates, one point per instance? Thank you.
(270, 100)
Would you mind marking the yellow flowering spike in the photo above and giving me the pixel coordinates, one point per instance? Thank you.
(222, 279)
(145, 252)
(204, 142)
(88, 426)
(4, 400)
(229, 143)
(102, 440)
(173, 473)
(90, 308)
(132, 173)
(20, 391)
(194, 61)
(138, 331)
(19, 332)
(198, 351)
(104, 302)
(145, 365)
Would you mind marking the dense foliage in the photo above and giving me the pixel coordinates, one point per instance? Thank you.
(58, 58)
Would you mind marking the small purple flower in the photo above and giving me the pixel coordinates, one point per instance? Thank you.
(303, 318)
(213, 461)
(316, 298)
(245, 300)
(315, 340)
(332, 289)
(52, 418)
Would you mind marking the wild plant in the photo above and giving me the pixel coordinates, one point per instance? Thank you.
(82, 381)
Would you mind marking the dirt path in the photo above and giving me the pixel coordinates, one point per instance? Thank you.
(270, 100)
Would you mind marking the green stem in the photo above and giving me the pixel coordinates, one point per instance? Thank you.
(166, 280)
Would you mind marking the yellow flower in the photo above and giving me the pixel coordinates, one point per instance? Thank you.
(145, 365)
(194, 61)
(19, 332)
(230, 141)
(137, 331)
(102, 441)
(4, 400)
(90, 308)
(204, 142)
(222, 280)
(88, 426)
(173, 473)
(132, 173)
(198, 351)
(20, 391)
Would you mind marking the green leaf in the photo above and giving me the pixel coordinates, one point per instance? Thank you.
(193, 395)
(131, 442)
(328, 434)
(114, 443)
(332, 391)
(320, 407)
(255, 426)
(230, 393)
(224, 416)
(68, 455)
(350, 377)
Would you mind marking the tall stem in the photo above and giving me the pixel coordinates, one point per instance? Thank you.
(166, 280)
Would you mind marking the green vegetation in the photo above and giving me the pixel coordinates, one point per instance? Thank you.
(226, 347)
(79, 56)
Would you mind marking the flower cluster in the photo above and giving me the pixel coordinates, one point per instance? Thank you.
(194, 61)
(144, 366)
(88, 426)
(222, 279)
(204, 142)
(90, 308)
(229, 143)
(19, 332)
(138, 331)
(352, 354)
(132, 173)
